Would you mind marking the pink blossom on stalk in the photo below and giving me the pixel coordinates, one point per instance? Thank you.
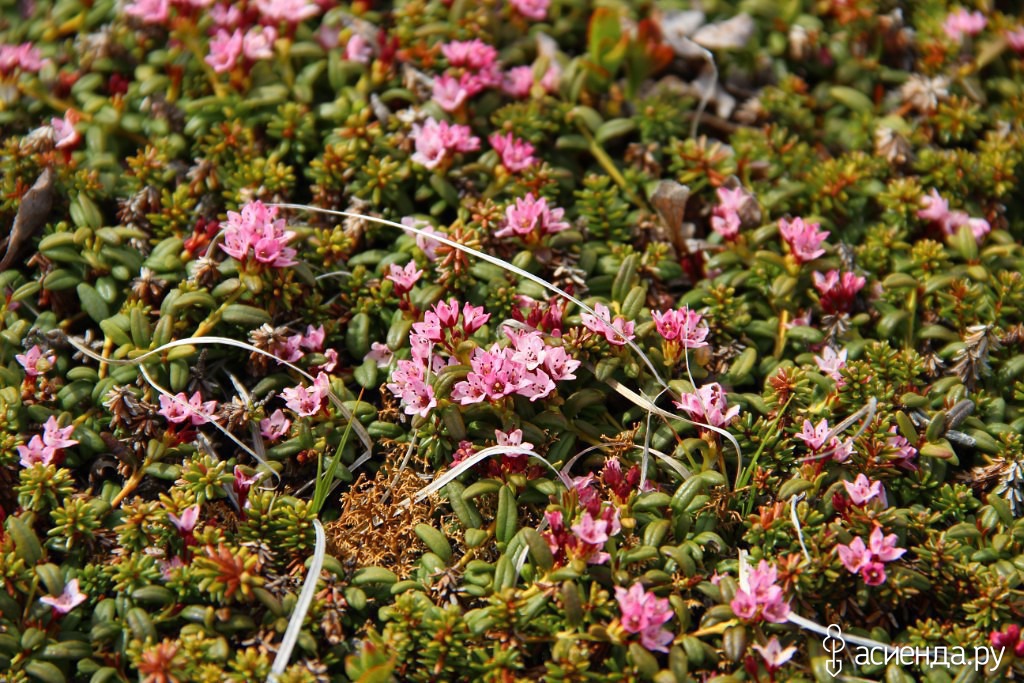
(225, 49)
(36, 362)
(186, 524)
(758, 598)
(290, 11)
(1015, 39)
(436, 140)
(471, 54)
(242, 485)
(725, 219)
(774, 655)
(961, 23)
(551, 78)
(814, 435)
(404, 278)
(64, 133)
(313, 340)
(258, 43)
(332, 361)
(449, 92)
(408, 383)
(645, 613)
(708, 405)
(682, 326)
(532, 9)
(358, 49)
(869, 559)
(275, 426)
(258, 229)
(831, 362)
(617, 331)
(36, 453)
(71, 598)
(837, 290)
(516, 155)
(804, 239)
(180, 408)
(863, 490)
(307, 402)
(902, 452)
(513, 438)
(854, 555)
(883, 547)
(56, 437)
(936, 209)
(226, 15)
(149, 11)
(530, 216)
(25, 57)
(426, 243)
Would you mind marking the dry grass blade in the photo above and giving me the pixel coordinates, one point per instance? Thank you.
(291, 634)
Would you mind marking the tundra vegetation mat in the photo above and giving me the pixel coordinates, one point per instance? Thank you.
(511, 340)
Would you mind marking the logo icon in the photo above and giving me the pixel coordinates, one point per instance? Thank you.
(833, 644)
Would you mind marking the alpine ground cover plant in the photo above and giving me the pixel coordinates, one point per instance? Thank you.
(509, 341)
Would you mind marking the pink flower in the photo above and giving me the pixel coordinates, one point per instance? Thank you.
(426, 244)
(36, 452)
(307, 402)
(518, 81)
(617, 332)
(55, 437)
(313, 340)
(708, 405)
(532, 9)
(332, 361)
(25, 57)
(1015, 39)
(258, 43)
(902, 452)
(404, 278)
(258, 230)
(242, 485)
(936, 209)
(873, 573)
(513, 438)
(179, 408)
(758, 598)
(559, 364)
(883, 547)
(226, 15)
(449, 92)
(814, 436)
(837, 290)
(774, 655)
(854, 556)
(358, 49)
(149, 11)
(869, 559)
(863, 490)
(471, 54)
(831, 362)
(725, 219)
(35, 362)
(682, 326)
(436, 140)
(516, 155)
(408, 383)
(961, 23)
(66, 601)
(275, 426)
(290, 11)
(225, 49)
(530, 216)
(804, 239)
(64, 133)
(380, 354)
(185, 524)
(645, 613)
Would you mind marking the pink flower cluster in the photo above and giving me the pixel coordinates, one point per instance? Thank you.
(257, 234)
(224, 14)
(516, 155)
(1015, 39)
(181, 408)
(804, 239)
(901, 452)
(518, 81)
(963, 23)
(306, 402)
(837, 290)
(530, 218)
(475, 63)
(621, 484)
(65, 136)
(158, 11)
(617, 332)
(527, 367)
(645, 613)
(532, 9)
(726, 218)
(585, 539)
(226, 49)
(708, 405)
(36, 362)
(25, 57)
(814, 436)
(275, 426)
(436, 141)
(44, 450)
(758, 598)
(831, 362)
(863, 490)
(869, 559)
(936, 210)
(681, 327)
(1010, 639)
(293, 348)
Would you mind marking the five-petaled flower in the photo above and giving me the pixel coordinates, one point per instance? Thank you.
(869, 559)
(257, 234)
(758, 598)
(804, 238)
(617, 332)
(35, 361)
(69, 599)
(708, 405)
(645, 613)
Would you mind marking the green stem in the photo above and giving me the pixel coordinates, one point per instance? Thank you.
(215, 316)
